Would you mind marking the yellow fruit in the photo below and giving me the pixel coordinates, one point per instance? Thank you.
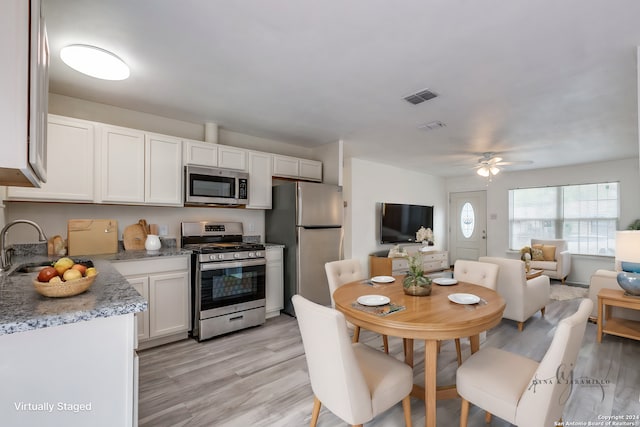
(62, 265)
(55, 279)
(91, 272)
(71, 274)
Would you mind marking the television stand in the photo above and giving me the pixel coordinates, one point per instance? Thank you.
(381, 265)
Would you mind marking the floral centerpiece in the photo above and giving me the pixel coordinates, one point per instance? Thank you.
(424, 235)
(415, 282)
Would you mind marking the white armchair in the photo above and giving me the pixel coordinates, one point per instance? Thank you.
(523, 297)
(560, 266)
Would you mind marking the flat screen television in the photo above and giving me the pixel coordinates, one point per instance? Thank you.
(399, 222)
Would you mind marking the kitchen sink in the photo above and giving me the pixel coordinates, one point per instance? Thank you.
(34, 267)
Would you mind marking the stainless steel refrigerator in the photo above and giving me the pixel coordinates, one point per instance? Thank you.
(307, 218)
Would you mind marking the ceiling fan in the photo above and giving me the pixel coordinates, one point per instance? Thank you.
(488, 164)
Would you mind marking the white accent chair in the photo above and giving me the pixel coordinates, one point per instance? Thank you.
(476, 272)
(512, 387)
(523, 297)
(560, 267)
(352, 380)
(607, 279)
(345, 271)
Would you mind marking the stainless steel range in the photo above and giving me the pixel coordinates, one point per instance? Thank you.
(228, 278)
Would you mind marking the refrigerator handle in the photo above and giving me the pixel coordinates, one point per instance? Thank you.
(341, 243)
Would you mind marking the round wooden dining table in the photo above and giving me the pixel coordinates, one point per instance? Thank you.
(430, 318)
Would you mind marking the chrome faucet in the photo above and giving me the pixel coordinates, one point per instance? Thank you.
(5, 254)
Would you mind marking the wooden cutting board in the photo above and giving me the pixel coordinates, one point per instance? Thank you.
(134, 237)
(92, 236)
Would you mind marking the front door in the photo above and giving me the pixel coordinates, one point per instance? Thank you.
(467, 225)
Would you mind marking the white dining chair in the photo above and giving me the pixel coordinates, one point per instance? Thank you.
(479, 273)
(345, 271)
(520, 390)
(352, 380)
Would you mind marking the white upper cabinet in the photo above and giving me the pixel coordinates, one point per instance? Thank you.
(140, 168)
(200, 153)
(214, 155)
(70, 153)
(163, 170)
(232, 158)
(311, 170)
(293, 167)
(24, 87)
(259, 180)
(122, 165)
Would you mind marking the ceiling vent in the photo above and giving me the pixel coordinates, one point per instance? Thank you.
(432, 125)
(420, 97)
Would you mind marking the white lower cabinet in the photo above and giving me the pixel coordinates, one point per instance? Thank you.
(274, 281)
(164, 282)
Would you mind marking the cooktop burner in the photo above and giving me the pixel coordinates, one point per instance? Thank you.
(208, 248)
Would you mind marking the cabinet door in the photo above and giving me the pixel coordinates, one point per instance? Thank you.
(311, 169)
(169, 299)
(274, 282)
(259, 180)
(286, 166)
(163, 170)
(232, 158)
(70, 153)
(141, 284)
(122, 165)
(199, 153)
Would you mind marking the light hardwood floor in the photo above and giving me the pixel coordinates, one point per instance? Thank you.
(257, 377)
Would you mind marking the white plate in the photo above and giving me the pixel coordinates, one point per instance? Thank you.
(444, 281)
(464, 298)
(373, 300)
(383, 279)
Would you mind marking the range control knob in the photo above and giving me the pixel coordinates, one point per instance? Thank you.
(236, 255)
(221, 256)
(259, 254)
(212, 257)
(252, 254)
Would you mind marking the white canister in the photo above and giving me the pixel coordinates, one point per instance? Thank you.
(152, 243)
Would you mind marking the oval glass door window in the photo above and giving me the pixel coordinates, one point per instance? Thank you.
(467, 220)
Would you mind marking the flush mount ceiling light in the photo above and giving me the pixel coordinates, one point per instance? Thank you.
(94, 62)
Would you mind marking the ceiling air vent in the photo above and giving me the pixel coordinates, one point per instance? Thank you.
(420, 97)
(432, 125)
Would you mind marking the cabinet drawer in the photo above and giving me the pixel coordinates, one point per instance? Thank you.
(400, 264)
(149, 266)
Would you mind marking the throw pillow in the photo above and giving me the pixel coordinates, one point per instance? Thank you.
(549, 252)
(537, 246)
(536, 254)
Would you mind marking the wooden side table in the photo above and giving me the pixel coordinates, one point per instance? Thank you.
(533, 273)
(612, 325)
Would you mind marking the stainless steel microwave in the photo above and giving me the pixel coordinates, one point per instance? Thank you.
(206, 186)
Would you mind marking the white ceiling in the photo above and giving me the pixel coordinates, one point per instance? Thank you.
(542, 80)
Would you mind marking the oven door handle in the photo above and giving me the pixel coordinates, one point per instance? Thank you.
(208, 266)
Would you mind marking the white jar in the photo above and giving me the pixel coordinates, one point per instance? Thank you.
(152, 243)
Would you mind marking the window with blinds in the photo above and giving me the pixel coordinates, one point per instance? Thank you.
(585, 215)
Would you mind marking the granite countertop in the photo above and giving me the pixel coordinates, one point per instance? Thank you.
(23, 309)
(274, 245)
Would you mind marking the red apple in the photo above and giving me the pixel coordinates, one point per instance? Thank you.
(81, 268)
(46, 274)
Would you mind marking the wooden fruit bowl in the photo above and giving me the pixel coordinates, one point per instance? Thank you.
(64, 289)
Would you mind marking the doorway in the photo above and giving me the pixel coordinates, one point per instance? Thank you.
(467, 225)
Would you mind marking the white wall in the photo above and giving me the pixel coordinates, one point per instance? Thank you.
(624, 171)
(329, 155)
(367, 183)
(53, 217)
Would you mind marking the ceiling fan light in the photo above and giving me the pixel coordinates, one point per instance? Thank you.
(94, 62)
(494, 170)
(483, 171)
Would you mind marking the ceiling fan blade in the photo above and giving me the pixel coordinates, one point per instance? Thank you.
(516, 162)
